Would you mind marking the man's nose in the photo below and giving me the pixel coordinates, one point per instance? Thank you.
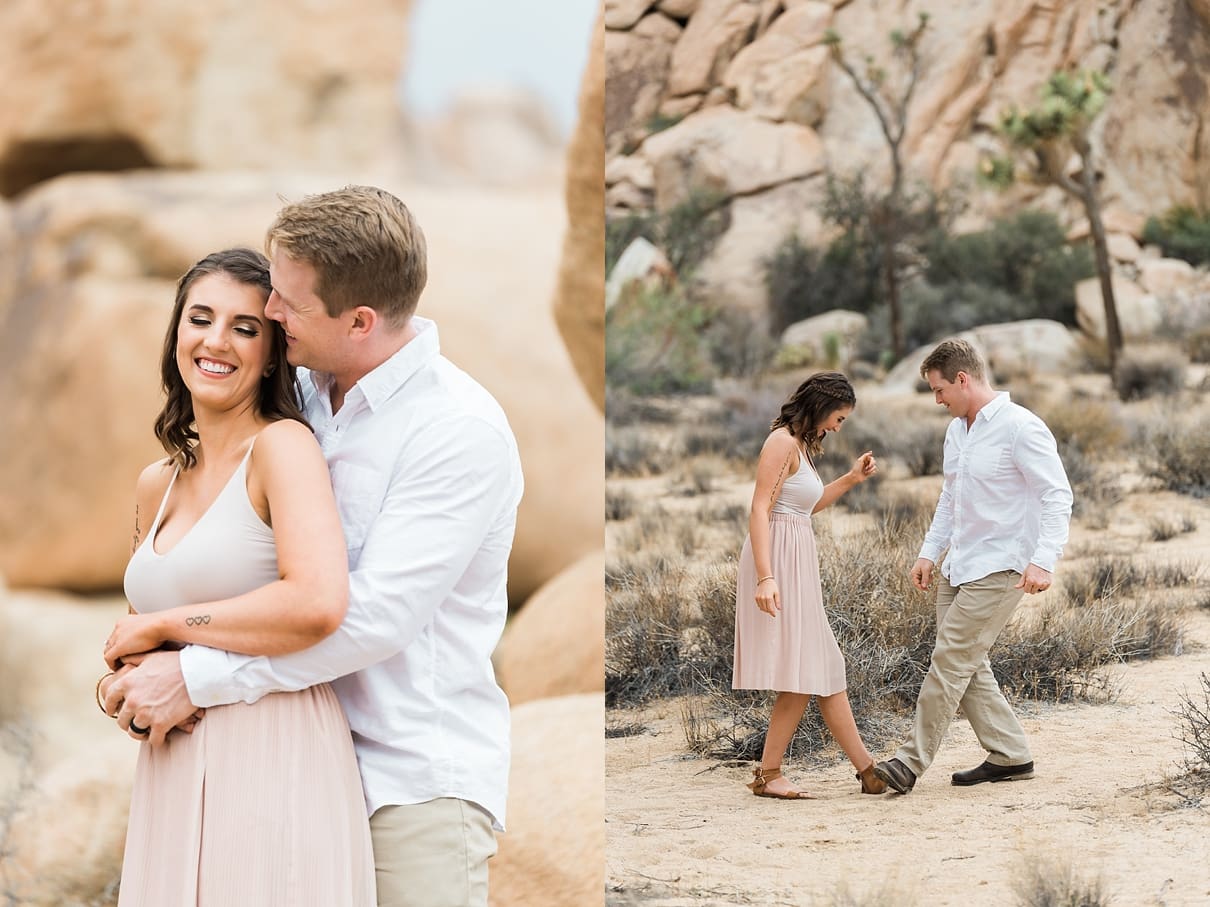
(273, 309)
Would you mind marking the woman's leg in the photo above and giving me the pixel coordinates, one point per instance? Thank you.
(839, 718)
(783, 722)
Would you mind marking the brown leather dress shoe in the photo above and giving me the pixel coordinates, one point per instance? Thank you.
(896, 774)
(990, 772)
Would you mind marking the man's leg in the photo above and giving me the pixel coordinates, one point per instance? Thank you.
(974, 615)
(432, 854)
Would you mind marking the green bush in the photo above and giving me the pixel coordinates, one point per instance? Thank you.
(1149, 373)
(1025, 256)
(686, 233)
(1182, 232)
(653, 343)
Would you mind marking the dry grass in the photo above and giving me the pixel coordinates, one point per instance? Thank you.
(1176, 450)
(1193, 715)
(1046, 882)
(1164, 528)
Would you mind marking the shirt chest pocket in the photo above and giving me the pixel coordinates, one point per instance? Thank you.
(989, 463)
(359, 494)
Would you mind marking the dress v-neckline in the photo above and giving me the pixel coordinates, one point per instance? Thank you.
(155, 529)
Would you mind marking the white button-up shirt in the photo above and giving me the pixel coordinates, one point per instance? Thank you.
(427, 481)
(1005, 502)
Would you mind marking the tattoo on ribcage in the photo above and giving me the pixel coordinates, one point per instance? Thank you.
(135, 542)
(197, 621)
(780, 478)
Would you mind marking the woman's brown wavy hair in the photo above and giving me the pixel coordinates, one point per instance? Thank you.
(279, 391)
(810, 406)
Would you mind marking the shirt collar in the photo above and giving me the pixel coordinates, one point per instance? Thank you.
(380, 383)
(994, 406)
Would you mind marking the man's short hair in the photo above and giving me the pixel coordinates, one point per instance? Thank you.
(951, 357)
(365, 245)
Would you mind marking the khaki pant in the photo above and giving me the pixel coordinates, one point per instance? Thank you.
(969, 618)
(432, 854)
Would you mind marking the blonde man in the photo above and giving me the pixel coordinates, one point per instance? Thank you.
(1003, 516)
(427, 481)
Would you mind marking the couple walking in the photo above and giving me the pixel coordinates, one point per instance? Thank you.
(317, 583)
(1003, 516)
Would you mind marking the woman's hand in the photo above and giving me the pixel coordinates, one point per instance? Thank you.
(863, 467)
(768, 598)
(132, 635)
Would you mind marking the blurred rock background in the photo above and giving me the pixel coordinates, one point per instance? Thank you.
(138, 136)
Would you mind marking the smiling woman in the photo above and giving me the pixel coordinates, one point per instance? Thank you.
(242, 504)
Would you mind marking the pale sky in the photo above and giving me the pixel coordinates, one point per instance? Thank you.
(537, 44)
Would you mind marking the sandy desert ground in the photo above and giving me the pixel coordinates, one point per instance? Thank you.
(683, 830)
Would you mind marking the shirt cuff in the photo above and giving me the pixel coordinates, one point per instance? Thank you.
(209, 676)
(930, 552)
(1047, 559)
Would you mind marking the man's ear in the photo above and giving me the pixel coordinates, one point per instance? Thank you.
(365, 319)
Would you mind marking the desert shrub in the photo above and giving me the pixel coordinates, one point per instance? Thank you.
(1163, 528)
(1095, 489)
(1025, 257)
(1058, 654)
(632, 451)
(619, 505)
(686, 233)
(1176, 451)
(653, 343)
(803, 281)
(620, 232)
(1145, 373)
(1193, 712)
(915, 440)
(932, 311)
(739, 345)
(1116, 576)
(622, 407)
(1197, 345)
(1182, 232)
(1045, 882)
(667, 626)
(1090, 425)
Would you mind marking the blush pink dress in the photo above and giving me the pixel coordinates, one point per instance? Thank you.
(262, 804)
(796, 651)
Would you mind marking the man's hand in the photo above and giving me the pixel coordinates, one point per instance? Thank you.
(151, 695)
(922, 574)
(1035, 579)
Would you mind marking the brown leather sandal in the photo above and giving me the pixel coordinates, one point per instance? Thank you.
(762, 776)
(870, 782)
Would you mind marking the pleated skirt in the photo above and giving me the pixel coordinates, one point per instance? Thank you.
(796, 651)
(261, 805)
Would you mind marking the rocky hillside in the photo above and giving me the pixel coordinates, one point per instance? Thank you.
(742, 97)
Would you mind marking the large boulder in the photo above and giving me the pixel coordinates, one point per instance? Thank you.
(782, 75)
(160, 83)
(81, 344)
(641, 262)
(715, 33)
(1163, 276)
(1014, 349)
(553, 854)
(637, 64)
(732, 152)
(623, 14)
(816, 340)
(555, 645)
(1139, 313)
(579, 302)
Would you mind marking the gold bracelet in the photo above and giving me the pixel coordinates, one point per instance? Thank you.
(100, 704)
(763, 578)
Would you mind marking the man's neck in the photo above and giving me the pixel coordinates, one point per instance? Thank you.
(387, 345)
(981, 395)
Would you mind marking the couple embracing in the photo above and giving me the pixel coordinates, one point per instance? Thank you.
(317, 584)
(1002, 516)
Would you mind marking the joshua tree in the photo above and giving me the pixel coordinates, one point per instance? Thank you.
(889, 221)
(1046, 137)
